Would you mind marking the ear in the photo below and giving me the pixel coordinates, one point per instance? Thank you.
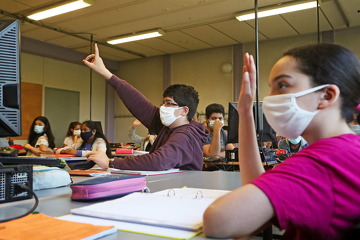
(330, 96)
(185, 111)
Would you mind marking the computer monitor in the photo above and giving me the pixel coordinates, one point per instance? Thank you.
(10, 97)
(265, 132)
(233, 123)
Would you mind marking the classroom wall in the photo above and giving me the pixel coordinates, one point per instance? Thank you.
(146, 75)
(202, 69)
(68, 76)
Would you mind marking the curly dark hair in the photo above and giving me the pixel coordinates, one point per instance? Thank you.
(184, 95)
(214, 108)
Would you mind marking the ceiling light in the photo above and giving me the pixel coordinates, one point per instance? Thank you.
(284, 8)
(60, 9)
(137, 36)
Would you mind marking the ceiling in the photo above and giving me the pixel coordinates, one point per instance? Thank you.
(189, 24)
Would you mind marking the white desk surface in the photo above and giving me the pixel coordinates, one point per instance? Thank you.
(57, 202)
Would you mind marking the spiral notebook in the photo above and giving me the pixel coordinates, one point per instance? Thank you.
(178, 208)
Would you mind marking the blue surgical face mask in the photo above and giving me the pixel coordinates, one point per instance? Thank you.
(38, 129)
(295, 141)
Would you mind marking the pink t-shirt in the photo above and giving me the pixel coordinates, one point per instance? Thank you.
(316, 192)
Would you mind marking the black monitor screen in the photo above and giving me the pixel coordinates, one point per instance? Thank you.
(10, 107)
(265, 132)
(233, 123)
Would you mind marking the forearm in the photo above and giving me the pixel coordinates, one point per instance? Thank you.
(30, 148)
(139, 106)
(43, 148)
(249, 157)
(132, 135)
(237, 214)
(215, 147)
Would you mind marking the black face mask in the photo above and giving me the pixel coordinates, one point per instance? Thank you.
(86, 135)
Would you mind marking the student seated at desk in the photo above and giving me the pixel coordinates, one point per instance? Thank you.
(313, 194)
(179, 140)
(293, 145)
(72, 134)
(41, 140)
(216, 143)
(91, 141)
(145, 142)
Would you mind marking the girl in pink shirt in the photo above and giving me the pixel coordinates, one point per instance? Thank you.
(314, 194)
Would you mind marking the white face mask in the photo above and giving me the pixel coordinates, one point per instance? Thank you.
(167, 115)
(211, 123)
(77, 132)
(285, 116)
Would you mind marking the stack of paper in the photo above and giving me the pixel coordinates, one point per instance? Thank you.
(167, 213)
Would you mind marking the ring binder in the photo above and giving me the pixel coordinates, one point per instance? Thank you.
(197, 194)
(171, 191)
(178, 208)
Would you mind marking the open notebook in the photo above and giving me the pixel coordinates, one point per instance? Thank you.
(179, 208)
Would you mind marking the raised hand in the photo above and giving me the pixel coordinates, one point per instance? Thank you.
(248, 85)
(95, 62)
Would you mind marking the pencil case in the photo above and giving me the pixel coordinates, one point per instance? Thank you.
(124, 151)
(105, 187)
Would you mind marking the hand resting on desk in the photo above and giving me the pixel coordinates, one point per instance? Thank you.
(99, 158)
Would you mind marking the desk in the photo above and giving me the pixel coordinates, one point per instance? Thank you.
(57, 202)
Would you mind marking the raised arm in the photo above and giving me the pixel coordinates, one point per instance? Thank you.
(214, 148)
(247, 209)
(249, 157)
(134, 100)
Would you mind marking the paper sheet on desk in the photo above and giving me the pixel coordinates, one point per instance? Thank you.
(172, 208)
(135, 228)
(145, 173)
(40, 226)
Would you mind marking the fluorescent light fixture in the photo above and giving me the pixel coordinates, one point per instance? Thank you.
(137, 36)
(277, 11)
(60, 9)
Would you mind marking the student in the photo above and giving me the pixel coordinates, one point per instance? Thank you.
(72, 134)
(145, 142)
(179, 140)
(92, 140)
(293, 145)
(41, 140)
(216, 143)
(314, 193)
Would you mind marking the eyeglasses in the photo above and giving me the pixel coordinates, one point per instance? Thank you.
(169, 104)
